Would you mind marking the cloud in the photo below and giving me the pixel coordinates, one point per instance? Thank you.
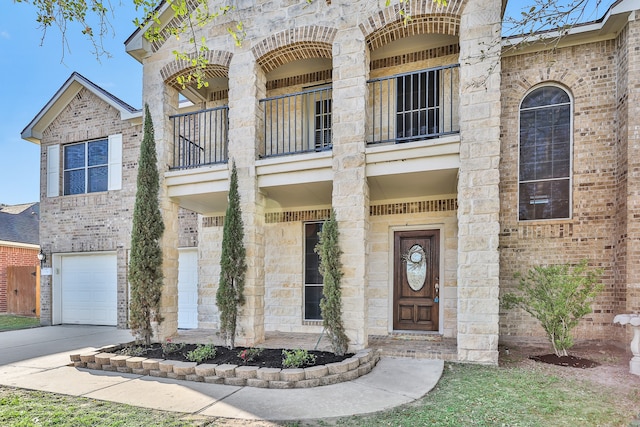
(5, 34)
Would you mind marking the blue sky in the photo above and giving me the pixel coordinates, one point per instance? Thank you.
(31, 74)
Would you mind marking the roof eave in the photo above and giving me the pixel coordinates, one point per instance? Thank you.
(33, 131)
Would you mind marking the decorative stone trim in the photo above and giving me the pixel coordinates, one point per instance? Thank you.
(217, 66)
(324, 76)
(410, 57)
(212, 221)
(252, 376)
(421, 206)
(296, 216)
(291, 45)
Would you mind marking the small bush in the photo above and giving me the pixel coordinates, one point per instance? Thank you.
(133, 351)
(558, 296)
(249, 354)
(201, 353)
(169, 347)
(297, 358)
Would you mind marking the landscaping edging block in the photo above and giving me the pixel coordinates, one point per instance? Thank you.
(107, 359)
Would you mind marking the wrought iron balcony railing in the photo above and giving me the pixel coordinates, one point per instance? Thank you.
(297, 123)
(200, 138)
(413, 106)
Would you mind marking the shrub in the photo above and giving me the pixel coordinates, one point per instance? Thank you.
(145, 265)
(328, 248)
(133, 351)
(233, 266)
(297, 358)
(249, 354)
(201, 353)
(558, 296)
(169, 347)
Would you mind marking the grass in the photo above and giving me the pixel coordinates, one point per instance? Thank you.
(467, 395)
(472, 395)
(9, 322)
(24, 408)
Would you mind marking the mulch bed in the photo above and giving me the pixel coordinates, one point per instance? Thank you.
(570, 361)
(268, 358)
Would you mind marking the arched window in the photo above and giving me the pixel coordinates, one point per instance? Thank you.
(545, 155)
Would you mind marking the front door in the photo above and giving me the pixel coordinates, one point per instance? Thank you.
(416, 282)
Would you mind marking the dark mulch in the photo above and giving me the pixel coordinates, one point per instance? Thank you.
(268, 358)
(571, 361)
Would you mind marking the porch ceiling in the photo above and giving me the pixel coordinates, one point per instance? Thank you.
(202, 190)
(310, 194)
(413, 185)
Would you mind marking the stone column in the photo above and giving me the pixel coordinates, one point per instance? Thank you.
(163, 102)
(478, 193)
(350, 188)
(247, 85)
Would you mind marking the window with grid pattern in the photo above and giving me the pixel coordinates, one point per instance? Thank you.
(545, 155)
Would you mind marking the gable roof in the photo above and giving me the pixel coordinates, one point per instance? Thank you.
(20, 223)
(33, 131)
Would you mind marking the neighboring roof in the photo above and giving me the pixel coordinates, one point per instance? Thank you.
(20, 223)
(33, 131)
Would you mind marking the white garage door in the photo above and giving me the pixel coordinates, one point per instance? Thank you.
(89, 289)
(187, 288)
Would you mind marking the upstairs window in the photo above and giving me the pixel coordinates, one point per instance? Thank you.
(545, 155)
(322, 125)
(417, 101)
(85, 167)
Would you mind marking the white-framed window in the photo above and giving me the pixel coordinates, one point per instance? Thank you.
(545, 146)
(85, 167)
(313, 281)
(417, 105)
(322, 124)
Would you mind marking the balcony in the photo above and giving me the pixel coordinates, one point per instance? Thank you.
(413, 106)
(297, 123)
(200, 138)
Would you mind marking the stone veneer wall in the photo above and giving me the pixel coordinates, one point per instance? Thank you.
(478, 179)
(379, 288)
(589, 73)
(282, 32)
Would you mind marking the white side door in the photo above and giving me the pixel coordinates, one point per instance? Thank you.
(187, 288)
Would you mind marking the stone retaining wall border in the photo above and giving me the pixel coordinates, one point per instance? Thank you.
(106, 359)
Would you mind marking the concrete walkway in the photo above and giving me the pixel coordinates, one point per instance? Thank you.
(38, 359)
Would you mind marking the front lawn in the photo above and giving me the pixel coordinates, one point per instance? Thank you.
(467, 395)
(9, 322)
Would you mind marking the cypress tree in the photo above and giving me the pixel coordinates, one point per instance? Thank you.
(328, 248)
(145, 265)
(230, 294)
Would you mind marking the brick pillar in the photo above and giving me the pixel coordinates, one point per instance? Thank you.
(247, 85)
(478, 193)
(632, 134)
(350, 188)
(162, 104)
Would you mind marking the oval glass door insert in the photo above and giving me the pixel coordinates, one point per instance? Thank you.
(416, 267)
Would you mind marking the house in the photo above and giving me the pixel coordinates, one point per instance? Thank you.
(451, 160)
(19, 248)
(90, 146)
